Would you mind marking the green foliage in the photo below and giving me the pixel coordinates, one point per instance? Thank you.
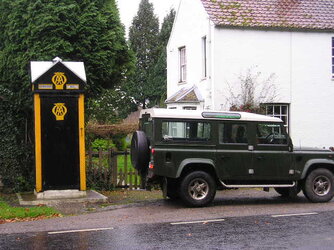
(87, 30)
(149, 84)
(144, 41)
(111, 106)
(15, 142)
(251, 90)
(120, 142)
(103, 144)
(9, 212)
(158, 77)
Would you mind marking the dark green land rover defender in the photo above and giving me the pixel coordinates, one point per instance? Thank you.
(193, 153)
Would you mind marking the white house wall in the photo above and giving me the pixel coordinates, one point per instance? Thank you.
(312, 91)
(190, 26)
(237, 51)
(301, 63)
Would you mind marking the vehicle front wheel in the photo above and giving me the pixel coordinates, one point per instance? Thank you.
(319, 185)
(197, 189)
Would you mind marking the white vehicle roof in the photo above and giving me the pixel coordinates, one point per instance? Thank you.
(207, 114)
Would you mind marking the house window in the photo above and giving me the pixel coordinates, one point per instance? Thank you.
(204, 57)
(332, 57)
(278, 110)
(183, 64)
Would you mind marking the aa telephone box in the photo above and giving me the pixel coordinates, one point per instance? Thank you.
(59, 125)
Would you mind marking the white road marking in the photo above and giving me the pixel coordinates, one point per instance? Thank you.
(288, 215)
(196, 222)
(81, 230)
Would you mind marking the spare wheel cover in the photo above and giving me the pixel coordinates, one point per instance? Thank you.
(140, 151)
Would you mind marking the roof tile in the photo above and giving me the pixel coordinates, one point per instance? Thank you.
(292, 14)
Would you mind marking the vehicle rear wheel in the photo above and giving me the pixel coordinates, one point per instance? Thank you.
(140, 152)
(319, 185)
(197, 189)
(288, 192)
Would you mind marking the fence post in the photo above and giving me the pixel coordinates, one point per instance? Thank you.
(136, 180)
(130, 180)
(126, 168)
(114, 167)
(100, 158)
(109, 154)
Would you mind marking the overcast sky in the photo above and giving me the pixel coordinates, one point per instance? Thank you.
(128, 9)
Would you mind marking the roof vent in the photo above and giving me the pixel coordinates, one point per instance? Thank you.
(56, 60)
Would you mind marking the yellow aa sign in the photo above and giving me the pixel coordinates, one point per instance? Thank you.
(59, 79)
(59, 110)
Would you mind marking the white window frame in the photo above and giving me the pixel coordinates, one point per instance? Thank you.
(272, 108)
(204, 58)
(333, 58)
(182, 64)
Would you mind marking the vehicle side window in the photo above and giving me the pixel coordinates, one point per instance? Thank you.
(270, 133)
(148, 128)
(192, 131)
(232, 133)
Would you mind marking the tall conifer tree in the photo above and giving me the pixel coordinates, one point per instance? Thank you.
(159, 73)
(144, 41)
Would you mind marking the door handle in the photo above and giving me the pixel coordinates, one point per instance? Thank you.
(260, 157)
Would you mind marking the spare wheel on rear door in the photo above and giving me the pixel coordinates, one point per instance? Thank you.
(140, 152)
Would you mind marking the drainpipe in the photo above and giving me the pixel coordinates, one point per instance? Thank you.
(210, 63)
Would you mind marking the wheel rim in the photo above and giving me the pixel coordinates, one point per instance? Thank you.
(321, 185)
(198, 189)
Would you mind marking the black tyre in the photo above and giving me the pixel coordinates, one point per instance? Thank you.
(319, 185)
(288, 192)
(197, 189)
(140, 152)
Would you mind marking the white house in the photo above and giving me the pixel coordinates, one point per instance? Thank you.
(214, 42)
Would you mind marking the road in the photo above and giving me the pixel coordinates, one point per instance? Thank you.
(237, 220)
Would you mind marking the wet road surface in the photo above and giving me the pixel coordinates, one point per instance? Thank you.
(309, 230)
(237, 219)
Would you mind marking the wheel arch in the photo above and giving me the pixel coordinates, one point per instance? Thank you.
(317, 163)
(193, 164)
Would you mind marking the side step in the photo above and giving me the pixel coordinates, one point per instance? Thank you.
(258, 186)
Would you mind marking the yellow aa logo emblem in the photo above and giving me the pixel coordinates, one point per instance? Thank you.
(59, 110)
(59, 79)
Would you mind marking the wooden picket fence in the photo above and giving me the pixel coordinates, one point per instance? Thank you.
(111, 169)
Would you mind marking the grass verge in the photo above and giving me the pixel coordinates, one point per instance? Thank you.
(10, 213)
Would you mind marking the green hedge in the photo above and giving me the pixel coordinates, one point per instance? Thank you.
(16, 147)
